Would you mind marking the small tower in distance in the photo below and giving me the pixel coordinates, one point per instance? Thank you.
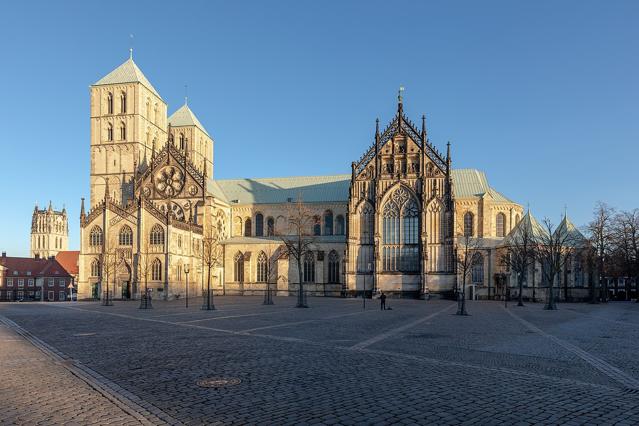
(49, 232)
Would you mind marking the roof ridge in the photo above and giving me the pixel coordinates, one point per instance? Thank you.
(286, 177)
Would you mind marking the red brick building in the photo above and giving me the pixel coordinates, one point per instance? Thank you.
(22, 278)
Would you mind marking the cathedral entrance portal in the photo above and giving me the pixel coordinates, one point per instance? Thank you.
(124, 279)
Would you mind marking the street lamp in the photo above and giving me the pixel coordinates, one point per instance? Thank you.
(186, 271)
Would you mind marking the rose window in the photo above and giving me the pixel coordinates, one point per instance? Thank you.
(169, 181)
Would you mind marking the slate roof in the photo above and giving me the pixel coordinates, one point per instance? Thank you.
(317, 189)
(185, 117)
(128, 72)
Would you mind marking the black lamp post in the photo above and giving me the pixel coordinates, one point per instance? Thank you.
(186, 272)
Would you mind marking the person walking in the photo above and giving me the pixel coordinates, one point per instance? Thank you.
(382, 299)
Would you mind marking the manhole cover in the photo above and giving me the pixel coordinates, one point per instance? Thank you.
(218, 382)
(83, 334)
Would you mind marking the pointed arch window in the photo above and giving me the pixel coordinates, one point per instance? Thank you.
(259, 225)
(333, 267)
(366, 231)
(123, 103)
(270, 227)
(262, 268)
(317, 226)
(328, 222)
(157, 235)
(477, 269)
(500, 224)
(95, 268)
(248, 227)
(110, 103)
(122, 131)
(181, 139)
(95, 236)
(339, 225)
(126, 236)
(400, 233)
(309, 268)
(156, 270)
(109, 132)
(468, 224)
(238, 267)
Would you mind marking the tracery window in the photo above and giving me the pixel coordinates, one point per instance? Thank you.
(366, 230)
(95, 268)
(156, 270)
(247, 228)
(333, 267)
(328, 222)
(468, 224)
(262, 268)
(309, 268)
(238, 267)
(500, 223)
(95, 237)
(157, 235)
(477, 269)
(339, 225)
(400, 233)
(126, 236)
(270, 227)
(259, 225)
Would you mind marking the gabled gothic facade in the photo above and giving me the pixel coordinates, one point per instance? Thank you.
(401, 213)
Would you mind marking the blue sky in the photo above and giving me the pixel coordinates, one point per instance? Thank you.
(542, 95)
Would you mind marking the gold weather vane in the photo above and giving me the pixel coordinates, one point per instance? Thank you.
(131, 47)
(186, 94)
(399, 93)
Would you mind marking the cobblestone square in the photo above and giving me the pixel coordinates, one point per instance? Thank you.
(334, 363)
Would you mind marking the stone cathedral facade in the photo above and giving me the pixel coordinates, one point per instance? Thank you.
(389, 225)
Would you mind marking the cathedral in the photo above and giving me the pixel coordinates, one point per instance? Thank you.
(49, 232)
(389, 225)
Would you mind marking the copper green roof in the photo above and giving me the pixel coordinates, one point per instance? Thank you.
(469, 183)
(128, 72)
(570, 235)
(528, 224)
(185, 117)
(311, 189)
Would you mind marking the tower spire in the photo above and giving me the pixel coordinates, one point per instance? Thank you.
(82, 213)
(423, 129)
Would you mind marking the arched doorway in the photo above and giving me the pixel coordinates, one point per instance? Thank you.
(123, 279)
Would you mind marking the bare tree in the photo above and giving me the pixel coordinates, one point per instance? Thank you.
(553, 247)
(465, 259)
(625, 242)
(212, 255)
(145, 259)
(109, 266)
(298, 241)
(600, 232)
(272, 256)
(520, 253)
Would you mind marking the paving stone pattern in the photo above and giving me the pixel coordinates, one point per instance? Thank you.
(333, 363)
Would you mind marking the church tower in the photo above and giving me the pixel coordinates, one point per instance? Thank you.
(49, 232)
(128, 123)
(190, 137)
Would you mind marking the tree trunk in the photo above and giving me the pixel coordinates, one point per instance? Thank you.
(520, 280)
(300, 294)
(550, 305)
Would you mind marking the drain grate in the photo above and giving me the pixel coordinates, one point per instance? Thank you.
(631, 391)
(218, 382)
